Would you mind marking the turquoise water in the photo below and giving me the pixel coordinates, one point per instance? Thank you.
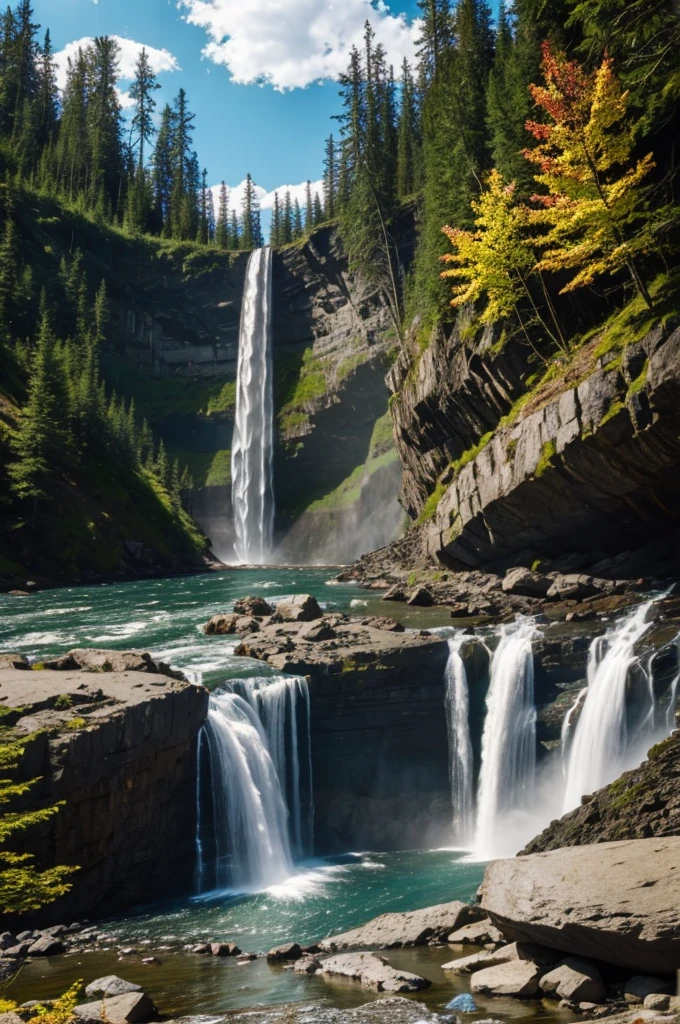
(321, 898)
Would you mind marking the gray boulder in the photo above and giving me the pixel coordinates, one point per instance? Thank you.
(529, 951)
(300, 608)
(420, 598)
(252, 606)
(46, 946)
(571, 587)
(657, 1001)
(525, 583)
(615, 902)
(373, 971)
(110, 985)
(224, 949)
(314, 631)
(414, 928)
(221, 625)
(574, 979)
(477, 934)
(517, 978)
(288, 951)
(394, 593)
(132, 1008)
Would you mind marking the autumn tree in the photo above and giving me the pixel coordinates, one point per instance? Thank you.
(594, 213)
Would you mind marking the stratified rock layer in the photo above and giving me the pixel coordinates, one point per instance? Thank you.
(615, 902)
(119, 747)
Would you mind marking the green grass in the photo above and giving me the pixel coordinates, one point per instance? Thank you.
(546, 461)
(382, 436)
(157, 397)
(349, 491)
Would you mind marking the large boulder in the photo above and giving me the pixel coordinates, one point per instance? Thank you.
(46, 945)
(300, 608)
(517, 978)
(111, 985)
(529, 951)
(526, 583)
(576, 980)
(252, 606)
(132, 1008)
(480, 933)
(373, 971)
(414, 928)
(616, 902)
(288, 951)
(221, 625)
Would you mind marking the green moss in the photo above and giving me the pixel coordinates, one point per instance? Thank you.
(63, 701)
(536, 565)
(382, 436)
(628, 796)
(430, 507)
(546, 461)
(349, 365)
(659, 749)
(349, 491)
(510, 449)
(76, 723)
(614, 409)
(156, 397)
(638, 384)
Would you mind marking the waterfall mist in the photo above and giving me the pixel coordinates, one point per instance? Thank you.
(253, 442)
(254, 803)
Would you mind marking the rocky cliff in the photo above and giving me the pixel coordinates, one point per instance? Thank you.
(574, 465)
(115, 738)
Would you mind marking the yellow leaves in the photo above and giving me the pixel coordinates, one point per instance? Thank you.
(492, 259)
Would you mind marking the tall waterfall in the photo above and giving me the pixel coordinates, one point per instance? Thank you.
(600, 743)
(509, 740)
(252, 820)
(460, 747)
(253, 443)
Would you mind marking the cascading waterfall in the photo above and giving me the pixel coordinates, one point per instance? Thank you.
(248, 832)
(601, 742)
(460, 747)
(509, 741)
(253, 442)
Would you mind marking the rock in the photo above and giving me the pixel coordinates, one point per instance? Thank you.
(300, 608)
(574, 979)
(385, 624)
(479, 933)
(394, 593)
(373, 971)
(526, 583)
(516, 978)
(46, 946)
(414, 928)
(26, 935)
(17, 952)
(7, 940)
(221, 625)
(540, 955)
(224, 949)
(246, 624)
(110, 985)
(640, 986)
(657, 1001)
(201, 949)
(250, 606)
(131, 1008)
(617, 902)
(289, 951)
(308, 964)
(464, 1003)
(56, 931)
(14, 661)
(314, 631)
(571, 587)
(459, 610)
(11, 1018)
(420, 598)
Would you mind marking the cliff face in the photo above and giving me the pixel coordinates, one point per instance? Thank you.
(583, 468)
(119, 747)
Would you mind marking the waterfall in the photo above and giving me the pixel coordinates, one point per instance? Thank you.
(254, 823)
(460, 747)
(509, 740)
(601, 741)
(565, 734)
(252, 446)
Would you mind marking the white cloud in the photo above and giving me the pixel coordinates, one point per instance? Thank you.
(291, 43)
(236, 192)
(161, 60)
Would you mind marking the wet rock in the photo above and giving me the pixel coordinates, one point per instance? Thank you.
(288, 951)
(526, 583)
(246, 624)
(640, 986)
(617, 902)
(459, 610)
(46, 946)
(17, 952)
(57, 931)
(373, 971)
(224, 949)
(574, 979)
(517, 978)
(201, 949)
(14, 661)
(657, 1001)
(308, 964)
(571, 587)
(300, 608)
(528, 951)
(395, 593)
(315, 631)
(464, 1003)
(415, 928)
(479, 933)
(110, 985)
(221, 625)
(7, 940)
(420, 598)
(250, 606)
(132, 1008)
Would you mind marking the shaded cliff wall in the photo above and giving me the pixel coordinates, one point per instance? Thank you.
(126, 769)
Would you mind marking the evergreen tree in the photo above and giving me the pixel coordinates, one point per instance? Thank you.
(287, 220)
(162, 172)
(251, 236)
(330, 179)
(235, 240)
(104, 126)
(142, 132)
(309, 207)
(275, 234)
(222, 229)
(407, 136)
(47, 95)
(437, 35)
(298, 229)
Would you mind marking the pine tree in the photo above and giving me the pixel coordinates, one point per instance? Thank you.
(235, 240)
(407, 136)
(287, 220)
(104, 126)
(437, 34)
(251, 237)
(309, 207)
(298, 229)
(71, 160)
(181, 215)
(162, 171)
(318, 210)
(222, 230)
(275, 234)
(47, 94)
(142, 133)
(330, 179)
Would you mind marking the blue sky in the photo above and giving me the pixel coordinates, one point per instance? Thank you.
(221, 49)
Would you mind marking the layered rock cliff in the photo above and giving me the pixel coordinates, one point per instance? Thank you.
(577, 467)
(114, 738)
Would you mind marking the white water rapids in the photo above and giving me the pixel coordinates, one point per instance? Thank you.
(253, 442)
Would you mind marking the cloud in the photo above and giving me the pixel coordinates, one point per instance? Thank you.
(292, 43)
(236, 192)
(161, 60)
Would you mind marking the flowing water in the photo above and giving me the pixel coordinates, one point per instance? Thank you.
(253, 442)
(509, 742)
(461, 777)
(601, 743)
